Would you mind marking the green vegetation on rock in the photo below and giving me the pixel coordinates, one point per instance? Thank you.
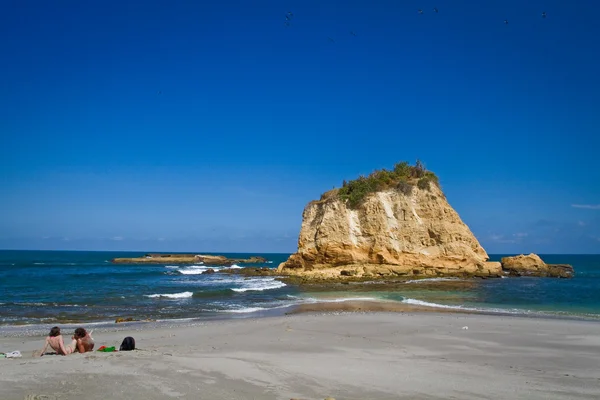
(402, 178)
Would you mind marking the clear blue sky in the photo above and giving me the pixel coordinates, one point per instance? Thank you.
(207, 126)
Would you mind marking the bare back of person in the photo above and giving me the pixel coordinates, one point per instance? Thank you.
(55, 342)
(81, 342)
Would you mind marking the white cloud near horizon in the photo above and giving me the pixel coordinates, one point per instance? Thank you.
(587, 206)
(500, 239)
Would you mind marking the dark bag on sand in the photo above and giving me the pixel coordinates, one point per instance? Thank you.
(128, 344)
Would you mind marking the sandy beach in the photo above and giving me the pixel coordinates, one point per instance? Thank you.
(359, 355)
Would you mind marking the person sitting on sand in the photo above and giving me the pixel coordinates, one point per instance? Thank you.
(55, 341)
(84, 340)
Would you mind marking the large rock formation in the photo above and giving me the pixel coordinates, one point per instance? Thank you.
(392, 232)
(533, 265)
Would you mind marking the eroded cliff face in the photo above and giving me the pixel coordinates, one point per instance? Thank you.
(390, 234)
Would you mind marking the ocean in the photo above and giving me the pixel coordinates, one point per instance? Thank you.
(46, 288)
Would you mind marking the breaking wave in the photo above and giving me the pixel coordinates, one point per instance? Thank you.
(259, 285)
(181, 295)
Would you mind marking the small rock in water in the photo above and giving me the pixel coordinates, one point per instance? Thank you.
(465, 327)
(121, 319)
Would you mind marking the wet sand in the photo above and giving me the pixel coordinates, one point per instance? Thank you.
(369, 306)
(384, 355)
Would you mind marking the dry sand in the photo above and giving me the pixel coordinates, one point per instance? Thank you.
(312, 356)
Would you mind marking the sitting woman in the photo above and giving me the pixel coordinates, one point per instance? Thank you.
(83, 340)
(56, 343)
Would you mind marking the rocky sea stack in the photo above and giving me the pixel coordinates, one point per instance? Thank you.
(392, 223)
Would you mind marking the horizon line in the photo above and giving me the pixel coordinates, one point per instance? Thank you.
(259, 252)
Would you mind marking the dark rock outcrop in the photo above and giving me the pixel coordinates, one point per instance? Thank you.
(188, 259)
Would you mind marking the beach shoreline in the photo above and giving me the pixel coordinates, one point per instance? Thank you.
(312, 355)
(323, 306)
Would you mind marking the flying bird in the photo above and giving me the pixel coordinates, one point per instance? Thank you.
(435, 10)
(352, 33)
(331, 39)
(159, 92)
(544, 14)
(420, 11)
(288, 18)
(506, 21)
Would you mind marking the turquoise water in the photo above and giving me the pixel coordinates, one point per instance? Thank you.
(578, 296)
(42, 287)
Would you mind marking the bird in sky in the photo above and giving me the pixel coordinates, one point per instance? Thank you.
(352, 33)
(331, 39)
(506, 21)
(420, 11)
(435, 10)
(288, 18)
(544, 14)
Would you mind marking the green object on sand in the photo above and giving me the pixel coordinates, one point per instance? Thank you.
(107, 349)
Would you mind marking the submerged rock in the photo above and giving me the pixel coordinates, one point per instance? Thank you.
(121, 319)
(188, 259)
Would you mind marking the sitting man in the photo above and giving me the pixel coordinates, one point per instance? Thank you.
(84, 340)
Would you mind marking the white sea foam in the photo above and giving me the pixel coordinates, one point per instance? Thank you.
(192, 270)
(198, 269)
(464, 308)
(313, 300)
(39, 263)
(244, 310)
(259, 285)
(253, 309)
(223, 279)
(181, 295)
(428, 304)
(172, 266)
(235, 266)
(432, 280)
(337, 300)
